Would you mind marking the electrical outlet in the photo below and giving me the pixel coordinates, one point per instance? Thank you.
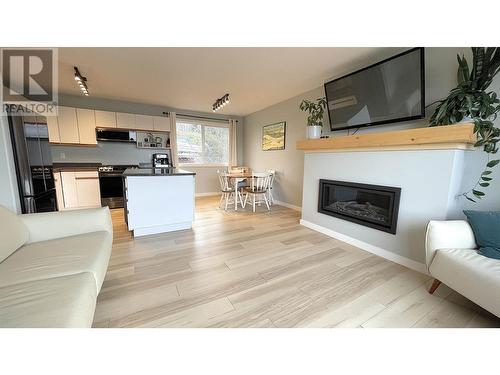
(62, 155)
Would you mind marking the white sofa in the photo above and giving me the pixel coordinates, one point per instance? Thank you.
(452, 258)
(52, 266)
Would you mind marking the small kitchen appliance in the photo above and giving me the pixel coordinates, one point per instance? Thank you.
(161, 161)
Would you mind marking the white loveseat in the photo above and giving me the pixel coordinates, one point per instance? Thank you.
(452, 258)
(52, 266)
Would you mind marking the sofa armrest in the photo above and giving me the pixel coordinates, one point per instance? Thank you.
(52, 225)
(450, 234)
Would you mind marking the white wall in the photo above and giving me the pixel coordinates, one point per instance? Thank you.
(9, 196)
(206, 181)
(440, 72)
(288, 163)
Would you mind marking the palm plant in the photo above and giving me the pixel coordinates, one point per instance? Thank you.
(315, 111)
(471, 100)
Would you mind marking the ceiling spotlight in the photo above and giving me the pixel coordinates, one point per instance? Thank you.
(82, 81)
(221, 102)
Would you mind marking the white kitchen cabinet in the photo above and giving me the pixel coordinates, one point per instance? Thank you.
(86, 126)
(144, 122)
(53, 128)
(59, 192)
(161, 123)
(69, 192)
(77, 189)
(78, 125)
(125, 120)
(87, 189)
(68, 125)
(105, 119)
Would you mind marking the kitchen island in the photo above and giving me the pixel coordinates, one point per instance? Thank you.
(158, 200)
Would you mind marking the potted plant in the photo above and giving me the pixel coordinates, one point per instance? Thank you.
(315, 112)
(470, 101)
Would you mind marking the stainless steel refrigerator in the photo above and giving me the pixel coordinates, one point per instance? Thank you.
(33, 161)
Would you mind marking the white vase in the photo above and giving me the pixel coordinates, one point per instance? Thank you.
(466, 120)
(314, 132)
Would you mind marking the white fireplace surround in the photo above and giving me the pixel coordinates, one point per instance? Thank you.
(430, 181)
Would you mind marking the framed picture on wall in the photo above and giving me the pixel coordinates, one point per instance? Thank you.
(273, 136)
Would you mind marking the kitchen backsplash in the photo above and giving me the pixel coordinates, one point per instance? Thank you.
(107, 153)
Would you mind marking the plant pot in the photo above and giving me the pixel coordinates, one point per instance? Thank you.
(314, 132)
(466, 120)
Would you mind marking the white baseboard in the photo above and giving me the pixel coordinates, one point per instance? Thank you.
(288, 205)
(210, 194)
(407, 262)
(139, 232)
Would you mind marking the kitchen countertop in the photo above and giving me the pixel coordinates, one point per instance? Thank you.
(132, 172)
(57, 167)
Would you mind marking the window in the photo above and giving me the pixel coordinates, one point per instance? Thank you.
(202, 142)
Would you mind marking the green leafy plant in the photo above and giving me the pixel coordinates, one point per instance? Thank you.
(470, 99)
(315, 110)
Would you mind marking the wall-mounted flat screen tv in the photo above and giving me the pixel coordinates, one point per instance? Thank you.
(391, 90)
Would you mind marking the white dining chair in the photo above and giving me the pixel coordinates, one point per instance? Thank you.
(258, 190)
(272, 176)
(228, 194)
(242, 182)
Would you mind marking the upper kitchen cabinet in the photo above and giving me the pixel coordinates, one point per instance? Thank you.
(161, 124)
(144, 122)
(86, 126)
(68, 125)
(78, 125)
(125, 120)
(53, 128)
(105, 119)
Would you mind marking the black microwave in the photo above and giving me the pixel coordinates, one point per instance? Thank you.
(113, 135)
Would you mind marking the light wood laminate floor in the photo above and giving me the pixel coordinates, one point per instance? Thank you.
(263, 269)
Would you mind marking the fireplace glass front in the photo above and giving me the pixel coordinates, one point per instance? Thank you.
(374, 206)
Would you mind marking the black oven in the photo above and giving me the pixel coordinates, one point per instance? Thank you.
(111, 185)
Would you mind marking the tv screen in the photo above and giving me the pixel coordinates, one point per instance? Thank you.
(388, 91)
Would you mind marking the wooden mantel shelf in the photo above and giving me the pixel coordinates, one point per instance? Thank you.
(460, 137)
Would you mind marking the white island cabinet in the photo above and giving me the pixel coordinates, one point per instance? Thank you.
(158, 200)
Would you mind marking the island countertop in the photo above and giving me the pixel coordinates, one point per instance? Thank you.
(133, 172)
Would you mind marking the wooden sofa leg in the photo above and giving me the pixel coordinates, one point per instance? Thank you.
(434, 286)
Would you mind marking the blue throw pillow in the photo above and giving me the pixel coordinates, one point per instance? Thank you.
(486, 228)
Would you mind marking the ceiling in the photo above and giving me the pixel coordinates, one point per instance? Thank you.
(193, 78)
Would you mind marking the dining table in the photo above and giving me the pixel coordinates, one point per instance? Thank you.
(237, 177)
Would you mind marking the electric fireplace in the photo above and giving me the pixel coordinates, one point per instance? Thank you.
(374, 206)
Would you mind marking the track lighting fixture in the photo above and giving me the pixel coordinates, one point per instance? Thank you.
(82, 82)
(221, 102)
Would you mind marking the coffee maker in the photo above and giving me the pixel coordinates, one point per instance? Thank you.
(161, 161)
